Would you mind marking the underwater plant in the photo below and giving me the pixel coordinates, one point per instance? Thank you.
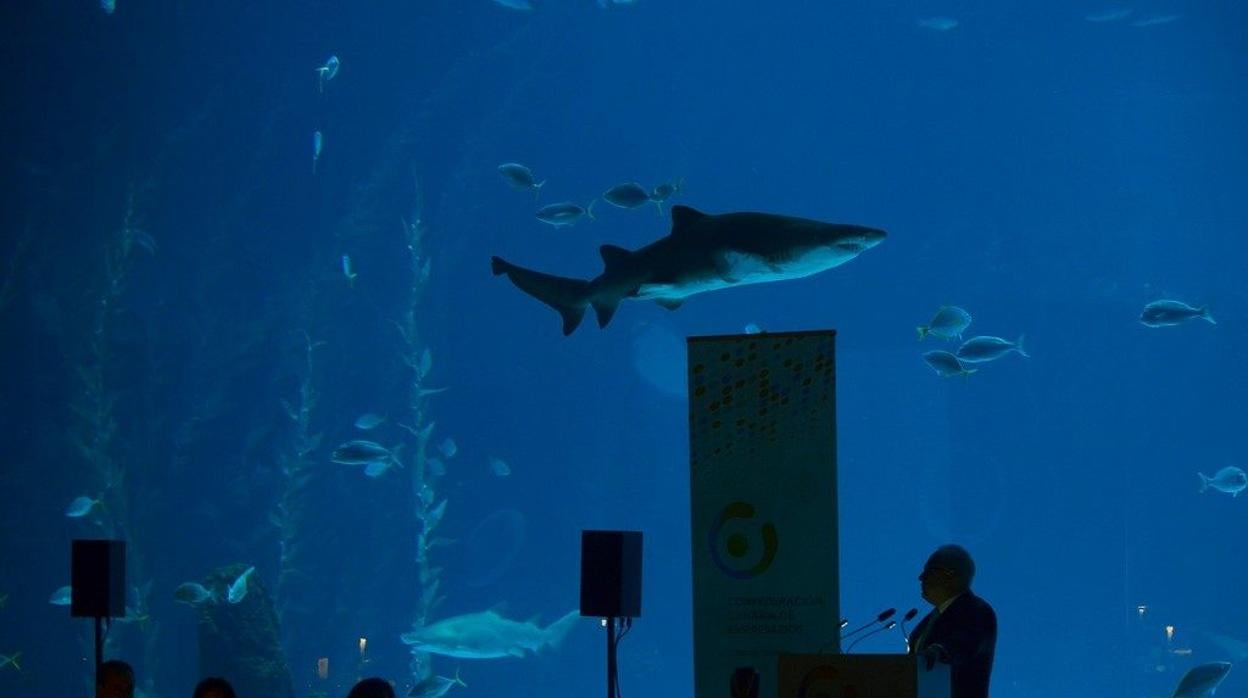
(428, 509)
(295, 466)
(96, 439)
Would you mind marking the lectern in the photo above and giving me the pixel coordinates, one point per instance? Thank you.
(861, 676)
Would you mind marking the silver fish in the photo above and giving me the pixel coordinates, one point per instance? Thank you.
(360, 452)
(318, 142)
(80, 507)
(1167, 313)
(1230, 480)
(949, 322)
(665, 191)
(194, 594)
(519, 177)
(448, 448)
(348, 271)
(984, 348)
(368, 421)
(327, 72)
(1156, 21)
(238, 588)
(564, 213)
(627, 195)
(499, 467)
(62, 597)
(946, 364)
(938, 24)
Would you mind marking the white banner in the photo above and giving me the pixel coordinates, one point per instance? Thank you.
(762, 443)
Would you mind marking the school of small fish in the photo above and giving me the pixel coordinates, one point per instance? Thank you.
(562, 214)
(949, 323)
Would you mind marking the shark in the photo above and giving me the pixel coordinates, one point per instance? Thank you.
(488, 635)
(1201, 681)
(702, 252)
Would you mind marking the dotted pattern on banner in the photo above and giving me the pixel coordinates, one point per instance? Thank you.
(759, 389)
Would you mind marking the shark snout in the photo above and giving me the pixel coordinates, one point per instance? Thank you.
(870, 237)
(859, 239)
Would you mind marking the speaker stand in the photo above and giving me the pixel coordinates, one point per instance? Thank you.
(99, 644)
(613, 679)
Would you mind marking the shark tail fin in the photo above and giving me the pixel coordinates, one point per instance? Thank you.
(1206, 316)
(922, 330)
(1204, 481)
(568, 296)
(557, 631)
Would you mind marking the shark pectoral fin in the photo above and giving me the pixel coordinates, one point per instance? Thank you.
(613, 256)
(684, 217)
(669, 303)
(606, 311)
(723, 269)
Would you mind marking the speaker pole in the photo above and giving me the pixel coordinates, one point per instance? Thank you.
(99, 645)
(613, 678)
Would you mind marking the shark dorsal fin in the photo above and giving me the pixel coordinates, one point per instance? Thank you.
(612, 255)
(684, 217)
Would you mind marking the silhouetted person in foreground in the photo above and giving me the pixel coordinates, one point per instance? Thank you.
(372, 688)
(961, 630)
(114, 679)
(214, 687)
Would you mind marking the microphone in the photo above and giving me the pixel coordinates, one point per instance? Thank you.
(884, 615)
(889, 626)
(906, 619)
(844, 622)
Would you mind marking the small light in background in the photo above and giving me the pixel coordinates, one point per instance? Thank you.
(603, 622)
(1141, 609)
(363, 644)
(1169, 633)
(322, 667)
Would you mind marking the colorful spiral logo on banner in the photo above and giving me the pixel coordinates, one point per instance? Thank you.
(737, 545)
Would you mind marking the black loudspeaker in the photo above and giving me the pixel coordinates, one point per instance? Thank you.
(98, 579)
(611, 574)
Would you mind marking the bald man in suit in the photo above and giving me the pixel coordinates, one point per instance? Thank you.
(961, 629)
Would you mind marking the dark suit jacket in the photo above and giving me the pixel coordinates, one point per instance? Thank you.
(967, 631)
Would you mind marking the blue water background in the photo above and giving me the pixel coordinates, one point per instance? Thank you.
(1050, 174)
